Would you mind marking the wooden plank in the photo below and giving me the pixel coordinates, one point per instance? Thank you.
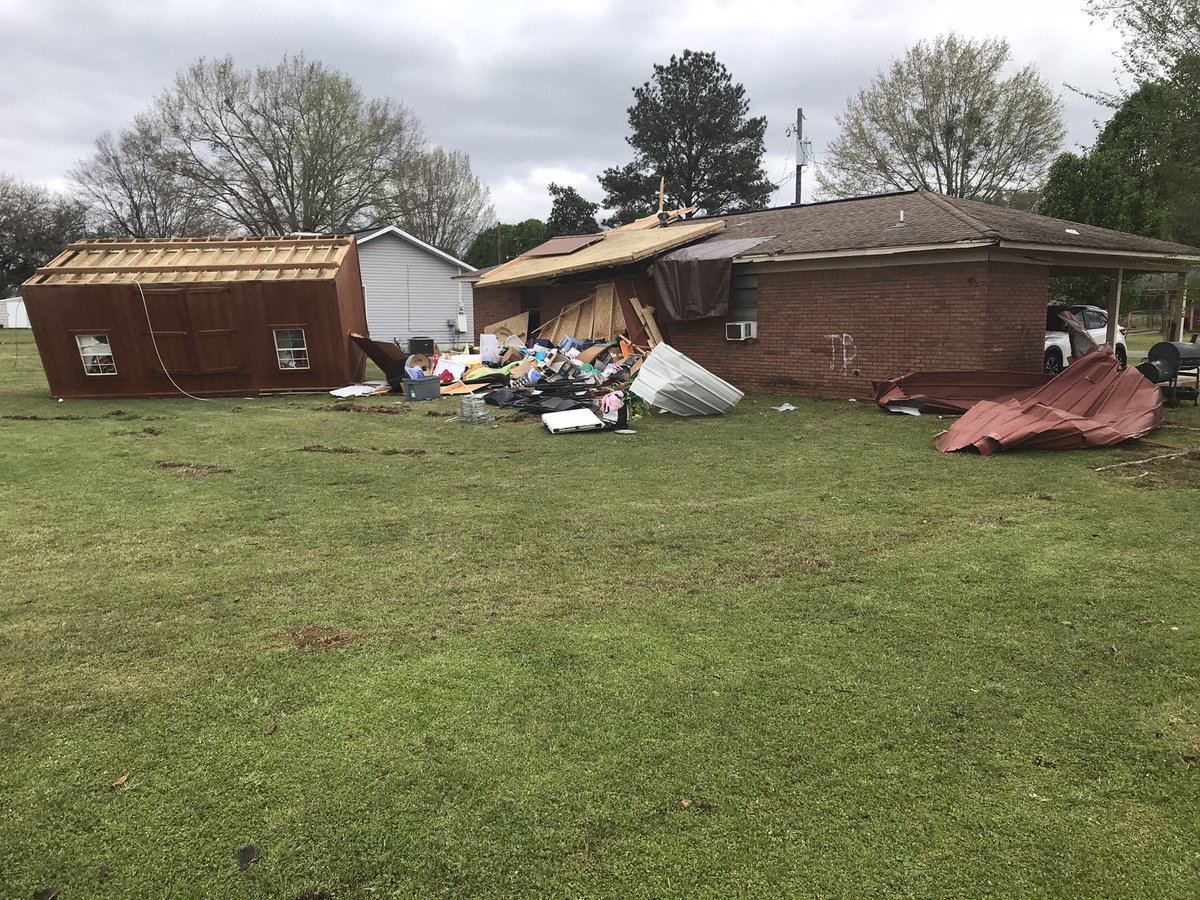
(646, 317)
(193, 267)
(518, 325)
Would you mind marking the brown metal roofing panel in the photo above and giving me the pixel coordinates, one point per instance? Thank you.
(191, 260)
(954, 392)
(1091, 403)
(561, 246)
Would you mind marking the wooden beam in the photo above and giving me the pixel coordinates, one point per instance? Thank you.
(1114, 308)
(194, 267)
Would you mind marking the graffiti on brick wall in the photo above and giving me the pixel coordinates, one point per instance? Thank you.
(842, 351)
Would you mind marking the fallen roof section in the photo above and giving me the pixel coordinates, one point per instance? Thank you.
(1093, 402)
(953, 393)
(196, 260)
(617, 248)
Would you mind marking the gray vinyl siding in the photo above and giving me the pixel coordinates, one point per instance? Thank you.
(409, 292)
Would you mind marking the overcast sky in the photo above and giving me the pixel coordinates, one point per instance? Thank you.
(533, 91)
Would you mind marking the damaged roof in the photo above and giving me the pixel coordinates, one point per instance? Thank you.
(195, 260)
(930, 220)
(617, 248)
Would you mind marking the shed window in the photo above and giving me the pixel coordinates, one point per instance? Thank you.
(743, 298)
(96, 354)
(291, 348)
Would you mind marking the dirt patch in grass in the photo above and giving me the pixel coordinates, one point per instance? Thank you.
(19, 418)
(394, 410)
(411, 451)
(320, 637)
(193, 470)
(321, 448)
(148, 430)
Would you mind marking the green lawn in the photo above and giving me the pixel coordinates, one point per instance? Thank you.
(766, 654)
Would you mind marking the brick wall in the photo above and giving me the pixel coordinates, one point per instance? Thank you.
(830, 333)
(493, 305)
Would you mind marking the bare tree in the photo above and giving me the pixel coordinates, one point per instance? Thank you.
(944, 118)
(434, 196)
(293, 147)
(35, 224)
(134, 194)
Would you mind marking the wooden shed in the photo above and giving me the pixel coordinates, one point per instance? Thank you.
(147, 318)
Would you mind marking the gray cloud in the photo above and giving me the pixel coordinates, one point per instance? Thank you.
(532, 91)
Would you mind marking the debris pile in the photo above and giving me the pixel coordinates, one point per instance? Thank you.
(576, 371)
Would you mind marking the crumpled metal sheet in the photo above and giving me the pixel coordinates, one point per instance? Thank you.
(953, 393)
(1090, 403)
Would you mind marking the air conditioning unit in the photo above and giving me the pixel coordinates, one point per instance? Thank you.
(741, 331)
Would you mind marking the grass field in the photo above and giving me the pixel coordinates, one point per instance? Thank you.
(766, 654)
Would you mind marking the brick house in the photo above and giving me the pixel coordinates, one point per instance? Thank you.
(851, 291)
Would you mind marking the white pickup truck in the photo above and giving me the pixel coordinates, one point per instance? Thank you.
(1058, 342)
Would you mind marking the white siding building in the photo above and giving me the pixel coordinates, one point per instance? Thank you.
(408, 289)
(13, 314)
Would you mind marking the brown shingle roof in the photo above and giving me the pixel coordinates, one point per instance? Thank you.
(869, 223)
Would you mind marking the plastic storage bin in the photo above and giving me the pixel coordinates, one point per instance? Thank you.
(428, 388)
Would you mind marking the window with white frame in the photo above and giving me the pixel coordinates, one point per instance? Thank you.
(96, 353)
(291, 348)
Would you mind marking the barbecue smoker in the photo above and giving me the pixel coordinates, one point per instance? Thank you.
(1166, 361)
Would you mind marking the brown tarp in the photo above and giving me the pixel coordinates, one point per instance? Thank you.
(693, 282)
(1090, 403)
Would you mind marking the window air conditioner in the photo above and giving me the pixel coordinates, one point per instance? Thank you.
(741, 331)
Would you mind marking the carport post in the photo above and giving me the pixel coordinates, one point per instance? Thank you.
(1114, 308)
(1182, 287)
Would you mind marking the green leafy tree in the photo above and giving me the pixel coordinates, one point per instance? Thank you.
(1143, 173)
(570, 213)
(945, 118)
(1157, 33)
(514, 240)
(690, 126)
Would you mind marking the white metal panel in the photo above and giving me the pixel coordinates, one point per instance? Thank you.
(409, 292)
(674, 382)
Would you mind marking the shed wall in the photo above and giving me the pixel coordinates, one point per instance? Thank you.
(409, 292)
(213, 339)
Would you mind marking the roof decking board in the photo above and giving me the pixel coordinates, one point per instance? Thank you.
(179, 261)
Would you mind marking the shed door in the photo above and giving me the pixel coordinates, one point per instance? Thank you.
(214, 335)
(195, 331)
(172, 330)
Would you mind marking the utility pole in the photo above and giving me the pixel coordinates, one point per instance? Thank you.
(799, 152)
(499, 243)
(803, 151)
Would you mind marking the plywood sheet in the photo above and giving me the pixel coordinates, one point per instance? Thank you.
(618, 248)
